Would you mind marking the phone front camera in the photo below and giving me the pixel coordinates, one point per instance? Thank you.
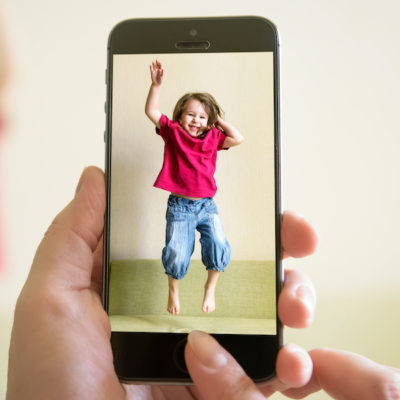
(193, 32)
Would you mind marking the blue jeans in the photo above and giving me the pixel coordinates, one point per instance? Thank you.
(184, 216)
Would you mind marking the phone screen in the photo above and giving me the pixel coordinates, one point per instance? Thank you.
(246, 178)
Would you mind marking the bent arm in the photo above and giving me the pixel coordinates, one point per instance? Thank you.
(151, 108)
(233, 136)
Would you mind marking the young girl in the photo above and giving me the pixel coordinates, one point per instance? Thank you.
(192, 140)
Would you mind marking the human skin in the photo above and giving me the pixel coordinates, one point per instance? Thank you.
(60, 342)
(233, 136)
(194, 119)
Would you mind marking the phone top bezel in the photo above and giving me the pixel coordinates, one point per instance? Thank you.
(225, 34)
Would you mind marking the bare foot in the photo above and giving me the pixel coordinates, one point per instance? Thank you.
(173, 301)
(209, 299)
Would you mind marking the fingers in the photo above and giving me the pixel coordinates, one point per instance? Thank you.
(157, 67)
(341, 374)
(217, 375)
(65, 255)
(299, 238)
(349, 376)
(297, 300)
(215, 372)
(293, 368)
(296, 304)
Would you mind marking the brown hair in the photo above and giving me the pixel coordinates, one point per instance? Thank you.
(206, 99)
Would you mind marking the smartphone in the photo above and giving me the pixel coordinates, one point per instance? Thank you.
(187, 207)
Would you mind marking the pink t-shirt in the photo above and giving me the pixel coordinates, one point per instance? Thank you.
(189, 162)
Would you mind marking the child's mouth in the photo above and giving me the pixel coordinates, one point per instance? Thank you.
(194, 128)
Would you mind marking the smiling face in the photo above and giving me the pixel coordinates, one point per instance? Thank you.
(194, 118)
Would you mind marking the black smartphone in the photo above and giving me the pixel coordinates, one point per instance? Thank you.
(192, 226)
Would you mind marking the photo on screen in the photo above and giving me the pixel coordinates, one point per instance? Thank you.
(245, 294)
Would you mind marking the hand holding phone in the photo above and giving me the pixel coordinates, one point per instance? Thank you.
(60, 337)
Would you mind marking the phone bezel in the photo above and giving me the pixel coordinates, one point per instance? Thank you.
(256, 353)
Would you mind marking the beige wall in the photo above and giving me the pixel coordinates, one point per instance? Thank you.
(242, 83)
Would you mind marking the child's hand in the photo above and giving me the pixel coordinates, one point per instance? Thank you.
(219, 122)
(157, 73)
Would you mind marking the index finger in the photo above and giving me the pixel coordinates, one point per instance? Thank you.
(345, 375)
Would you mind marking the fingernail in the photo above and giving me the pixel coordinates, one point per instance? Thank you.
(207, 350)
(295, 214)
(304, 358)
(306, 295)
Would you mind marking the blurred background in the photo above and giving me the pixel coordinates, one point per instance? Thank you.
(340, 138)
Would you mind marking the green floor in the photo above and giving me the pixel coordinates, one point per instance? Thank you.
(245, 298)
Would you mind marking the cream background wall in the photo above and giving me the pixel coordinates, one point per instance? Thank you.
(340, 140)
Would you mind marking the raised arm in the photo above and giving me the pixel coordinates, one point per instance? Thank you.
(153, 98)
(233, 136)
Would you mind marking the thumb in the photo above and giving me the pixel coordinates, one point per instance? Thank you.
(215, 372)
(64, 259)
